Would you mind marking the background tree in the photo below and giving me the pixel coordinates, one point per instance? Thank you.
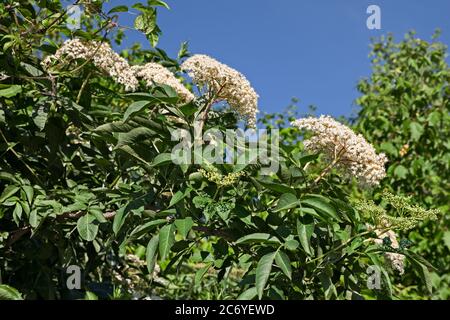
(405, 107)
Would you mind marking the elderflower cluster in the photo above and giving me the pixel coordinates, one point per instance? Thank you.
(347, 151)
(155, 73)
(101, 55)
(213, 175)
(396, 260)
(225, 83)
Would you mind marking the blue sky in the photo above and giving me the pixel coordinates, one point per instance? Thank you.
(313, 50)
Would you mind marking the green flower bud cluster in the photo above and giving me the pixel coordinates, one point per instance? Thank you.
(405, 215)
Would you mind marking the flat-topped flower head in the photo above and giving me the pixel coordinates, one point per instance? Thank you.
(102, 56)
(155, 73)
(349, 152)
(225, 83)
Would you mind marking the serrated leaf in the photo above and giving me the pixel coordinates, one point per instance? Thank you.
(201, 273)
(321, 205)
(263, 270)
(150, 253)
(118, 220)
(284, 263)
(305, 232)
(135, 107)
(166, 240)
(248, 294)
(184, 226)
(29, 192)
(177, 197)
(287, 201)
(134, 136)
(146, 227)
(17, 213)
(257, 237)
(447, 239)
(118, 9)
(86, 227)
(161, 159)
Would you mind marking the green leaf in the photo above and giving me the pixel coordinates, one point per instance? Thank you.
(150, 253)
(177, 197)
(434, 118)
(388, 148)
(263, 270)
(90, 296)
(321, 204)
(9, 293)
(161, 159)
(158, 3)
(8, 192)
(257, 237)
(201, 273)
(416, 130)
(287, 201)
(188, 109)
(17, 213)
(87, 228)
(10, 91)
(305, 232)
(291, 244)
(118, 220)
(135, 107)
(136, 135)
(284, 263)
(146, 227)
(184, 226)
(166, 240)
(29, 191)
(118, 9)
(447, 239)
(248, 294)
(32, 70)
(277, 187)
(401, 172)
(131, 152)
(423, 272)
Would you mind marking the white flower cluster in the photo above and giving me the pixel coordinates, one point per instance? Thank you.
(155, 73)
(225, 83)
(352, 154)
(396, 260)
(101, 55)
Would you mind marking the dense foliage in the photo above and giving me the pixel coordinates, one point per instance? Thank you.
(87, 179)
(405, 108)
